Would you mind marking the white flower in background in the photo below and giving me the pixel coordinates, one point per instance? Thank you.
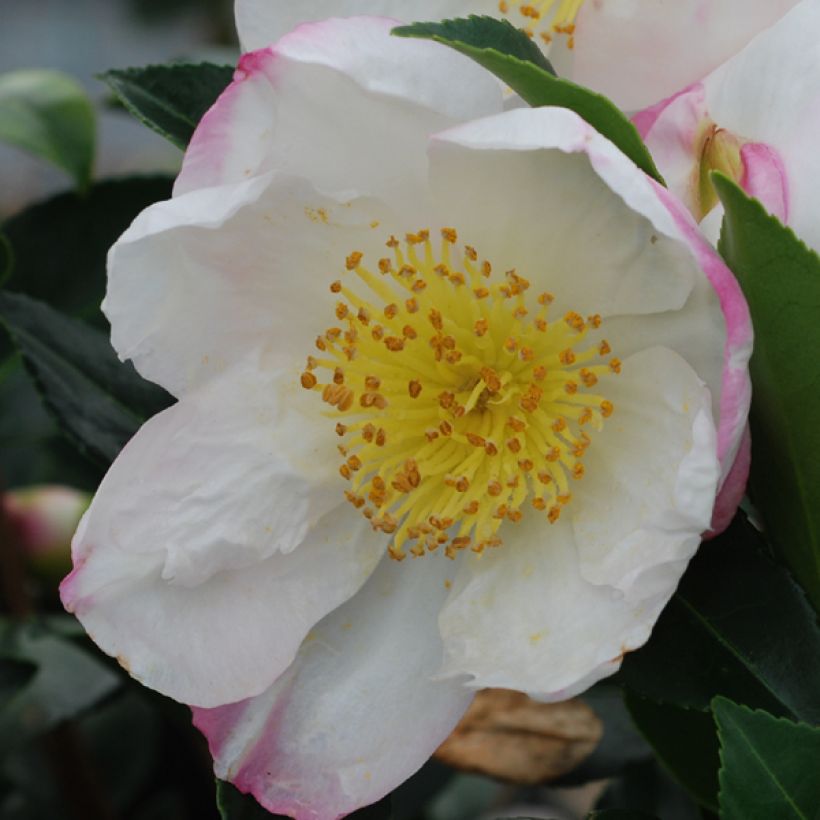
(756, 119)
(456, 396)
(634, 51)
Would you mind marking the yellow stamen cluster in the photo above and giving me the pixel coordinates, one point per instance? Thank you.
(546, 18)
(455, 401)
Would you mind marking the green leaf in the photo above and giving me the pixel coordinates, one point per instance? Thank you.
(769, 766)
(645, 789)
(620, 814)
(480, 34)
(59, 246)
(32, 450)
(737, 626)
(67, 681)
(780, 277)
(508, 53)
(172, 98)
(98, 401)
(685, 742)
(49, 115)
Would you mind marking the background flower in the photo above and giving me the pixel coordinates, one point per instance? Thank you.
(755, 119)
(635, 52)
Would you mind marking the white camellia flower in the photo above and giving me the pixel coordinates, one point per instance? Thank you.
(635, 51)
(457, 391)
(756, 119)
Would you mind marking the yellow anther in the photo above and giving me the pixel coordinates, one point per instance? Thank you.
(426, 428)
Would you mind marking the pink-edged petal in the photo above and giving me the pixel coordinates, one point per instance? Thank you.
(542, 192)
(768, 94)
(203, 280)
(642, 51)
(555, 607)
(736, 387)
(342, 103)
(673, 133)
(216, 541)
(262, 22)
(359, 710)
(734, 487)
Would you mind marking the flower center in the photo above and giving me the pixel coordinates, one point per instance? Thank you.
(456, 403)
(546, 18)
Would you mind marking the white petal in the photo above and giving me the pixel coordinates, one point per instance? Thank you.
(541, 191)
(651, 476)
(769, 94)
(358, 711)
(216, 541)
(555, 607)
(639, 51)
(261, 22)
(205, 279)
(342, 103)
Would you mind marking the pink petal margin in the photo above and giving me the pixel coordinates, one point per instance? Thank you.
(736, 386)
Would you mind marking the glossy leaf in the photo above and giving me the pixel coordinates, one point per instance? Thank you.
(686, 743)
(67, 681)
(645, 789)
(170, 99)
(737, 626)
(507, 52)
(770, 765)
(59, 246)
(780, 277)
(97, 400)
(49, 115)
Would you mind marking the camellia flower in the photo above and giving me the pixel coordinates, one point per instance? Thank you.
(454, 409)
(635, 51)
(756, 119)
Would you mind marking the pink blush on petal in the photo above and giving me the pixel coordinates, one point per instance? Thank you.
(764, 178)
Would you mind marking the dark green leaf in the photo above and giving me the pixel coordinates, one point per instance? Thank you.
(32, 450)
(60, 245)
(66, 682)
(738, 626)
(481, 34)
(686, 743)
(498, 46)
(15, 674)
(97, 400)
(646, 790)
(49, 115)
(620, 814)
(780, 277)
(6, 258)
(172, 98)
(770, 765)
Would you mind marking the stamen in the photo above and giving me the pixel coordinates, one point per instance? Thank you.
(461, 409)
(546, 18)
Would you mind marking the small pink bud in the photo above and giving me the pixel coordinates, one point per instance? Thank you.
(42, 519)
